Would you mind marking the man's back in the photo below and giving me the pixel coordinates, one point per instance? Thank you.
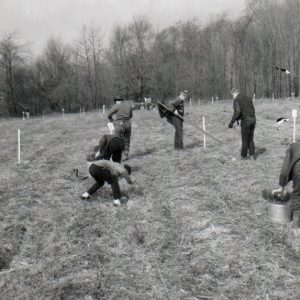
(246, 106)
(122, 111)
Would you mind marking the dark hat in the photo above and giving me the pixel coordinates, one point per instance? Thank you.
(128, 169)
(184, 93)
(118, 98)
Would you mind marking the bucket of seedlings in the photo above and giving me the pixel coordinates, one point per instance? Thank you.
(279, 210)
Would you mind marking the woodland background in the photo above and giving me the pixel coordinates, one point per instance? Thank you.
(207, 59)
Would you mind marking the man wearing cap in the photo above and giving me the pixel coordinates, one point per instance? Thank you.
(176, 119)
(122, 122)
(244, 110)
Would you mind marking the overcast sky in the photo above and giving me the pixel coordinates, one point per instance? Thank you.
(37, 20)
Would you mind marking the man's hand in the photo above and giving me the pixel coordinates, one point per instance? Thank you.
(176, 112)
(97, 154)
(230, 125)
(280, 190)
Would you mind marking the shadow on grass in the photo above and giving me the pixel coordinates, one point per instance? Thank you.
(194, 144)
(259, 151)
(145, 152)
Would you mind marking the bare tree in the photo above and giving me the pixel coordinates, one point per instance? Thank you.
(12, 56)
(89, 52)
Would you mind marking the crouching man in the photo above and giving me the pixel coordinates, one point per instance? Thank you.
(290, 170)
(107, 171)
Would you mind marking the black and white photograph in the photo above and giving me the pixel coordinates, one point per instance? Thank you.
(149, 150)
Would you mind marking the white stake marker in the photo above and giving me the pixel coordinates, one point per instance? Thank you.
(19, 146)
(204, 136)
(103, 109)
(212, 100)
(63, 111)
(294, 116)
(23, 115)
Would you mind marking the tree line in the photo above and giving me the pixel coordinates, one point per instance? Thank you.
(207, 59)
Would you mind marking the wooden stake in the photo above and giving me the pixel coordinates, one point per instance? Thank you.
(103, 109)
(294, 116)
(19, 146)
(204, 136)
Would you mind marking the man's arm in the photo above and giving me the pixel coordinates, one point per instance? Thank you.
(174, 104)
(127, 177)
(237, 111)
(283, 178)
(113, 110)
(102, 145)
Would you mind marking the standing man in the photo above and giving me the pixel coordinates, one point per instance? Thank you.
(122, 122)
(290, 170)
(176, 119)
(244, 110)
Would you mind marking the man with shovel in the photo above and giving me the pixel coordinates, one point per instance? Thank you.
(174, 114)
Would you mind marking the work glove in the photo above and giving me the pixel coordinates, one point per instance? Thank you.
(230, 125)
(176, 112)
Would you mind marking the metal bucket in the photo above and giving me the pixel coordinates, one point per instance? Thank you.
(280, 213)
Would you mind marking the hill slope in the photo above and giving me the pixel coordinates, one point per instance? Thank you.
(195, 227)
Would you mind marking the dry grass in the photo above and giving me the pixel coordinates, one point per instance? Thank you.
(195, 226)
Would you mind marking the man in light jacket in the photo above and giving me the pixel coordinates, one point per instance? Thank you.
(122, 110)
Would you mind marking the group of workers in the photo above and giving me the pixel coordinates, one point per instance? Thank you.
(106, 165)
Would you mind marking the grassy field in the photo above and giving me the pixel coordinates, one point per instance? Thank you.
(195, 227)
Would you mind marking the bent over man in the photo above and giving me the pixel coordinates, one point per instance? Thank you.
(244, 110)
(290, 170)
(111, 147)
(107, 171)
(122, 123)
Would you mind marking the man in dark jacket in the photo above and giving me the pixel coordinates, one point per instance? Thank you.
(176, 119)
(290, 170)
(244, 110)
(111, 146)
(122, 122)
